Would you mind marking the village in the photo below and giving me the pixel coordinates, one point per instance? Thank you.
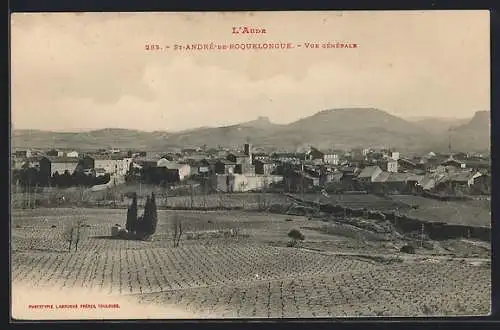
(281, 234)
(380, 171)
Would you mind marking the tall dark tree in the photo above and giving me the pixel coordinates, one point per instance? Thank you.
(154, 215)
(132, 215)
(144, 225)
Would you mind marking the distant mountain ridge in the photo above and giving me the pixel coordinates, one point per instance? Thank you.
(438, 125)
(474, 135)
(331, 128)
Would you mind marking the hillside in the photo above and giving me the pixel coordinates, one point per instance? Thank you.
(104, 138)
(342, 120)
(474, 135)
(326, 129)
(437, 125)
(352, 128)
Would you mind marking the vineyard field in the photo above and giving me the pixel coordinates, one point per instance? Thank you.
(252, 274)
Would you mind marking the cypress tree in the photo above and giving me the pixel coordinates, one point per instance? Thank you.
(145, 224)
(132, 215)
(154, 215)
(128, 224)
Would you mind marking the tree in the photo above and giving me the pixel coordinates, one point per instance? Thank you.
(166, 195)
(191, 195)
(145, 221)
(154, 215)
(132, 215)
(176, 230)
(263, 196)
(73, 234)
(69, 236)
(204, 181)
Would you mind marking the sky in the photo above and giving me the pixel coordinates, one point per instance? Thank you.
(82, 71)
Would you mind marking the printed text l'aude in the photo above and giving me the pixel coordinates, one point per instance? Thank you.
(248, 30)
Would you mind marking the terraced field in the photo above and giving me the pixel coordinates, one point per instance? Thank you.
(239, 275)
(473, 213)
(357, 201)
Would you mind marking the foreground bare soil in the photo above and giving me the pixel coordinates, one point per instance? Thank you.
(216, 273)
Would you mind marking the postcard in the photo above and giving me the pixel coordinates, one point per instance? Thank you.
(235, 165)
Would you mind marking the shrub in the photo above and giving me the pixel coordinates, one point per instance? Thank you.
(296, 235)
(408, 249)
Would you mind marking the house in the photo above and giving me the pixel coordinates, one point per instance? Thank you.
(112, 164)
(170, 156)
(264, 167)
(180, 171)
(206, 166)
(454, 162)
(120, 164)
(314, 153)
(162, 162)
(23, 153)
(224, 166)
(477, 163)
(459, 181)
(428, 181)
(238, 157)
(223, 182)
(394, 155)
(242, 160)
(298, 180)
(260, 156)
(58, 165)
(175, 171)
(146, 162)
(375, 156)
(242, 182)
(388, 182)
(369, 173)
(406, 164)
(331, 158)
(482, 185)
(389, 165)
(288, 157)
(407, 181)
(193, 165)
(55, 153)
(72, 154)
